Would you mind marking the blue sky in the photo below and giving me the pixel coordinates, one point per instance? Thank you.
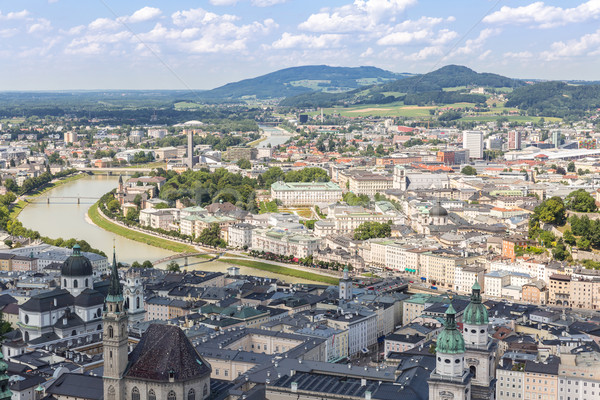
(108, 44)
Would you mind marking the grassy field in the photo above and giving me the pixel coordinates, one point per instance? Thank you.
(103, 223)
(511, 118)
(277, 269)
(397, 109)
(186, 105)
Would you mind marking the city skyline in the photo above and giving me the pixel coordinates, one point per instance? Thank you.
(62, 44)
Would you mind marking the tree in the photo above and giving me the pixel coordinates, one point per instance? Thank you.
(468, 170)
(583, 243)
(369, 230)
(173, 267)
(560, 252)
(136, 264)
(569, 238)
(132, 215)
(244, 163)
(4, 326)
(211, 236)
(11, 185)
(571, 167)
(8, 243)
(581, 201)
(551, 211)
(147, 264)
(113, 206)
(138, 200)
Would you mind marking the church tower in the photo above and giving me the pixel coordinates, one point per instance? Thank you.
(121, 191)
(480, 354)
(115, 338)
(450, 380)
(5, 393)
(345, 286)
(134, 297)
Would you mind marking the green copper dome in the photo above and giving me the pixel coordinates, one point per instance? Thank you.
(476, 313)
(450, 340)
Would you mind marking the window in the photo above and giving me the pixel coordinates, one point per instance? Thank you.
(226, 372)
(171, 396)
(110, 332)
(135, 394)
(65, 285)
(75, 283)
(111, 393)
(137, 302)
(151, 395)
(192, 394)
(205, 391)
(26, 319)
(86, 282)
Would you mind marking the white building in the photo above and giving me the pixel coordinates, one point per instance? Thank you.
(305, 193)
(240, 235)
(282, 242)
(473, 141)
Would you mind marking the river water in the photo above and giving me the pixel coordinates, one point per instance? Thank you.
(63, 217)
(275, 136)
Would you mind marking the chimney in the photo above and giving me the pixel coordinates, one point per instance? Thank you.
(363, 382)
(367, 395)
(294, 387)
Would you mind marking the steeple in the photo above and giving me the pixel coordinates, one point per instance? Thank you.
(115, 292)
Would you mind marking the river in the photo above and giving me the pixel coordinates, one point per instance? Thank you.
(274, 136)
(63, 217)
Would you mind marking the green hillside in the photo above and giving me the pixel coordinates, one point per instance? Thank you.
(418, 90)
(297, 80)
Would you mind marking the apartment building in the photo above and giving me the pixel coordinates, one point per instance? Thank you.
(559, 292)
(439, 266)
(369, 183)
(240, 235)
(346, 221)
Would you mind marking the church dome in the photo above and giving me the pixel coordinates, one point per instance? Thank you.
(476, 313)
(438, 211)
(450, 340)
(77, 264)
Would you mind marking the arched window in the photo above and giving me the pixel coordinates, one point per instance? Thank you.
(99, 327)
(65, 282)
(75, 283)
(73, 332)
(110, 332)
(137, 302)
(151, 395)
(205, 391)
(111, 393)
(86, 282)
(171, 396)
(473, 371)
(135, 394)
(192, 394)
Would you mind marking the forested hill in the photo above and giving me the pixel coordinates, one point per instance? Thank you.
(447, 77)
(296, 80)
(556, 99)
(412, 90)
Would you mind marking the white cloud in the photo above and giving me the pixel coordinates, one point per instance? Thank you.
(223, 2)
(290, 41)
(9, 32)
(545, 16)
(41, 25)
(587, 45)
(267, 3)
(367, 53)
(142, 15)
(104, 24)
(518, 54)
(14, 15)
(420, 30)
(199, 16)
(473, 45)
(362, 15)
(425, 53)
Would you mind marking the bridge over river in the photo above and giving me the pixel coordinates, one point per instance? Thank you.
(185, 256)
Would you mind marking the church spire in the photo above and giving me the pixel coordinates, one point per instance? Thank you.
(115, 292)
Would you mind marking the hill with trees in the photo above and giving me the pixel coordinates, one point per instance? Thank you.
(419, 89)
(297, 80)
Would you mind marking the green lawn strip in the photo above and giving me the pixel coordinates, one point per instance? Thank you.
(277, 269)
(16, 209)
(107, 225)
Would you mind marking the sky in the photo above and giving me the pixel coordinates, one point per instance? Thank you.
(202, 44)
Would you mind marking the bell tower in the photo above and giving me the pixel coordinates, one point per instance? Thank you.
(480, 353)
(115, 335)
(450, 380)
(345, 286)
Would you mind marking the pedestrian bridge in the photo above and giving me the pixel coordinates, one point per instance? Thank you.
(185, 256)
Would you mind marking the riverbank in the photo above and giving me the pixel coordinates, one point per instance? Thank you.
(277, 269)
(101, 221)
(17, 207)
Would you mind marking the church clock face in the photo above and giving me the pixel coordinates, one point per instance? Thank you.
(127, 292)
